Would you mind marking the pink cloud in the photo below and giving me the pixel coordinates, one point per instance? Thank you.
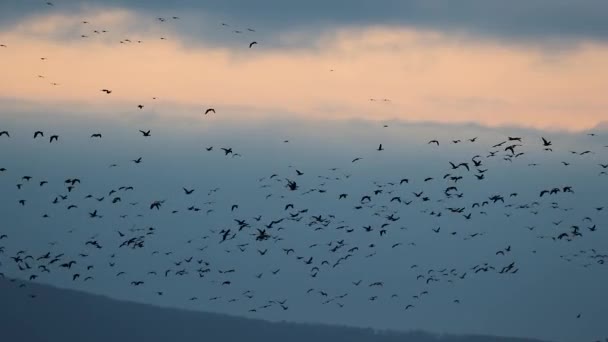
(426, 75)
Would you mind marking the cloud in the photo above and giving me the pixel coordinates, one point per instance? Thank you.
(532, 21)
(427, 75)
(603, 125)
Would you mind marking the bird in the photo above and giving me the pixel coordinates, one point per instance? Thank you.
(209, 110)
(252, 44)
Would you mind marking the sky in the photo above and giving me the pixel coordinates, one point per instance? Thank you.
(314, 93)
(434, 64)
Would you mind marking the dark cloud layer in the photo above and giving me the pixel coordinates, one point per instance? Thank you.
(536, 20)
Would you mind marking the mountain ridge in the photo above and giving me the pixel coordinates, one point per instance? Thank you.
(97, 318)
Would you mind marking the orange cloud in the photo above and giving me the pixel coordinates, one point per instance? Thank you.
(426, 75)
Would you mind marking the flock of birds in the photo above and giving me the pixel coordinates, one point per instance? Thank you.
(128, 41)
(386, 204)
